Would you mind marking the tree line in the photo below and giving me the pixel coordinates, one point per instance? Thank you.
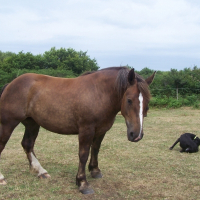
(55, 62)
(70, 63)
(175, 88)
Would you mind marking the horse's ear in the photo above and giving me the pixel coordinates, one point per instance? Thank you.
(150, 79)
(131, 76)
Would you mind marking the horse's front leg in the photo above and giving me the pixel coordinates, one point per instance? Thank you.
(85, 141)
(93, 165)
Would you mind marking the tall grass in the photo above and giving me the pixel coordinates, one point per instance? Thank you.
(143, 170)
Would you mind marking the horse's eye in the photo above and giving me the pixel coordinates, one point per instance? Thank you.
(129, 101)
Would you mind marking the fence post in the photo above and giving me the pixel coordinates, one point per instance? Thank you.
(177, 94)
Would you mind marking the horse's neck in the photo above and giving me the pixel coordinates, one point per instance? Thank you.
(106, 84)
(115, 96)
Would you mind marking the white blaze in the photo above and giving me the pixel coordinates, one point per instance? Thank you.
(141, 112)
(36, 165)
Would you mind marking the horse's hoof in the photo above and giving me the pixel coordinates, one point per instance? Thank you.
(3, 182)
(86, 190)
(44, 176)
(96, 175)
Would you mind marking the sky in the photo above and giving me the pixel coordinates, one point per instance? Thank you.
(157, 34)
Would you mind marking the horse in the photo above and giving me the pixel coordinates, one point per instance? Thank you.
(85, 106)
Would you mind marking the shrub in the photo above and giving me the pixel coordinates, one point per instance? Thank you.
(174, 103)
(169, 102)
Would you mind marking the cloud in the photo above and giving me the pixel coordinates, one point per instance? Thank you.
(114, 27)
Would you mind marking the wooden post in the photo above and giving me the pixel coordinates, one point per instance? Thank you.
(177, 94)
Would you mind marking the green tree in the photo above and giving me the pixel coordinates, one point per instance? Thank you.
(69, 59)
(146, 72)
(56, 62)
(19, 61)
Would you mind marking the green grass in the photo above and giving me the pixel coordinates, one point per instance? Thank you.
(143, 170)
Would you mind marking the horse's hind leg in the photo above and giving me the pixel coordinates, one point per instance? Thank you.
(30, 135)
(5, 133)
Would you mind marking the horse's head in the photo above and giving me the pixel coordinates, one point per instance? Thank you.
(135, 104)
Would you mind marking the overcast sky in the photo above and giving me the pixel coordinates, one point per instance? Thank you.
(158, 34)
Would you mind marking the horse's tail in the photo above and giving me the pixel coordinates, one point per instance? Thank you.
(2, 89)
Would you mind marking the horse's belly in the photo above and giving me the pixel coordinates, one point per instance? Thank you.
(65, 128)
(56, 120)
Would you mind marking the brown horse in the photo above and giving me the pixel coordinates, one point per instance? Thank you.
(86, 105)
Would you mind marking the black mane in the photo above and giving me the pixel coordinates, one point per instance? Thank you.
(122, 81)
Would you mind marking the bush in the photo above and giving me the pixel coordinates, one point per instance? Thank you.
(196, 105)
(159, 101)
(174, 103)
(169, 102)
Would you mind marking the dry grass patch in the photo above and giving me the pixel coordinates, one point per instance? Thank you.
(143, 170)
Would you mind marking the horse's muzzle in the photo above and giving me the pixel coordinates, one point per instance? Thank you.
(133, 137)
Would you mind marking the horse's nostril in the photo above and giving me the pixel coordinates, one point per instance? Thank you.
(131, 134)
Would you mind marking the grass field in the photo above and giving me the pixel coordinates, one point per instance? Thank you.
(143, 170)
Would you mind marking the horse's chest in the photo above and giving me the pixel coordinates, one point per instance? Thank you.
(104, 126)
